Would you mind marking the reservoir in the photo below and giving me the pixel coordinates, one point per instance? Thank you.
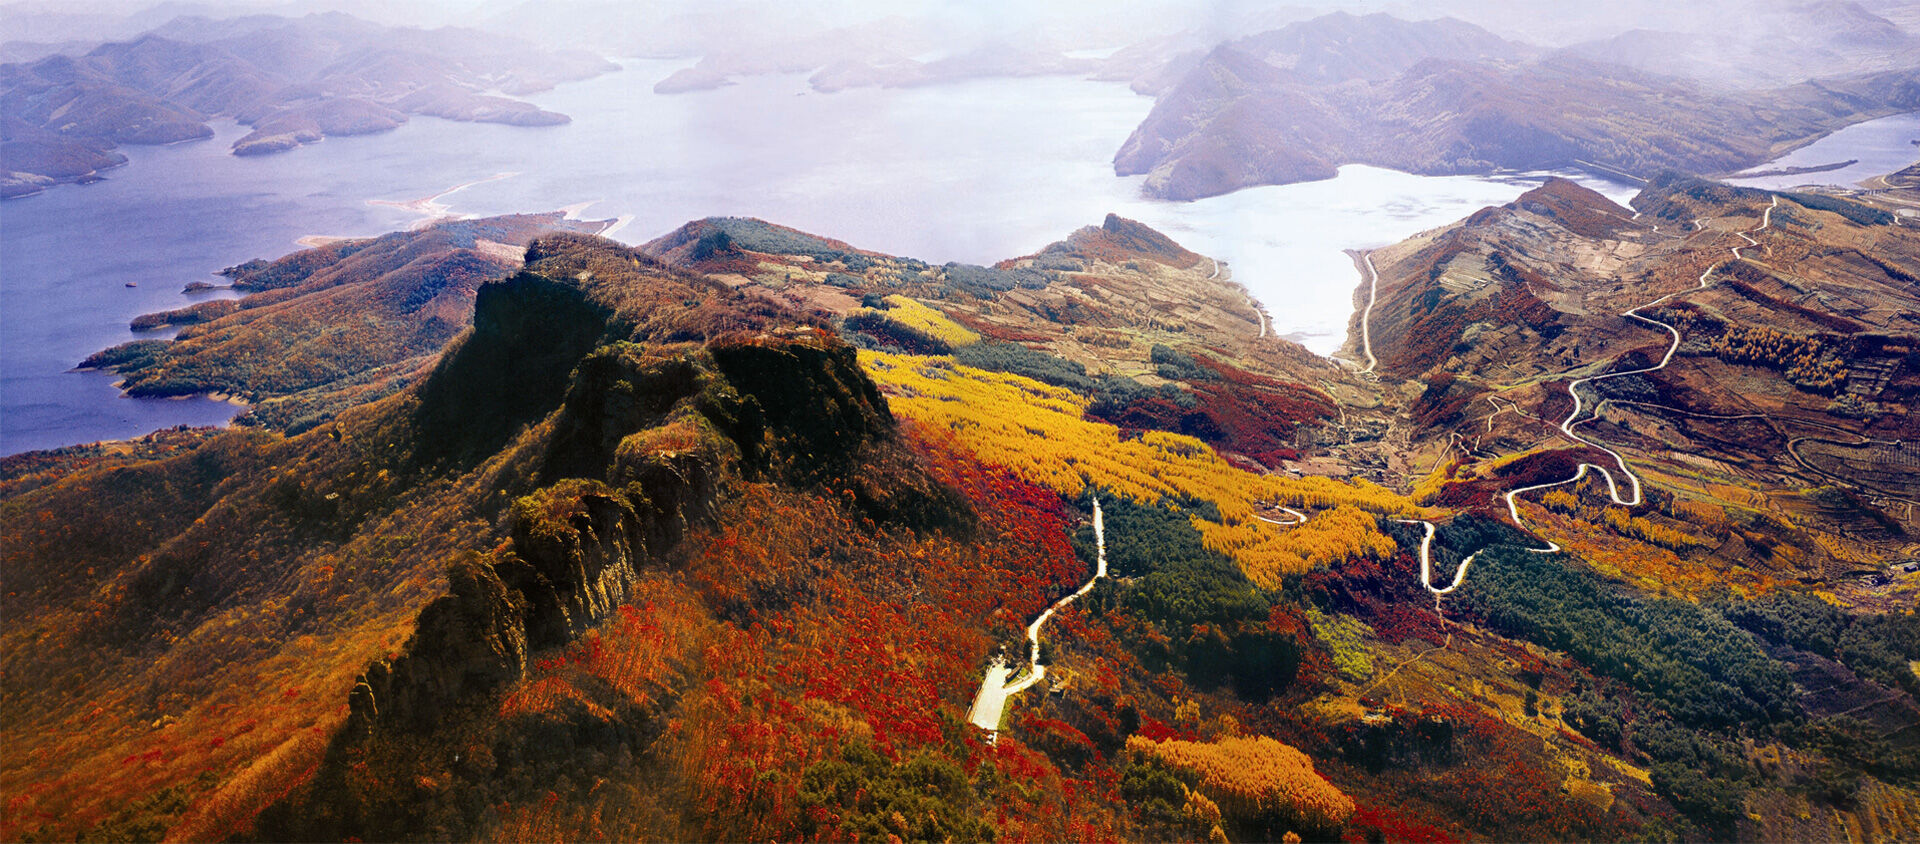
(976, 172)
(1878, 147)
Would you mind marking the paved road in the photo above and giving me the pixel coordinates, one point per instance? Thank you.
(1573, 419)
(991, 700)
(1259, 316)
(1573, 389)
(1426, 562)
(1298, 518)
(1366, 316)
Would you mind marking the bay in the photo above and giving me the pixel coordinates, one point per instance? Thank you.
(1877, 146)
(973, 172)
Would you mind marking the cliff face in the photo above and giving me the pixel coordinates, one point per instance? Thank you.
(640, 429)
(647, 553)
(639, 437)
(595, 413)
(409, 294)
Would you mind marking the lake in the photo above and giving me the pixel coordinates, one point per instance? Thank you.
(1881, 146)
(973, 172)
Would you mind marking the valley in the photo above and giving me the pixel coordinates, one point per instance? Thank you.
(1107, 406)
(794, 429)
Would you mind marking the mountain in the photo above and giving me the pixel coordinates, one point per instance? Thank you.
(1766, 46)
(293, 80)
(882, 42)
(890, 53)
(1794, 358)
(1471, 104)
(743, 533)
(350, 321)
(1338, 47)
(620, 28)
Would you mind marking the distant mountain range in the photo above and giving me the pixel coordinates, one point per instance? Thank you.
(294, 81)
(1766, 46)
(1446, 97)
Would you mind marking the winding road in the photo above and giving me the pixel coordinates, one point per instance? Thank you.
(1366, 316)
(1777, 423)
(1573, 419)
(991, 700)
(1299, 518)
(1426, 580)
(1426, 562)
(1259, 315)
(1573, 389)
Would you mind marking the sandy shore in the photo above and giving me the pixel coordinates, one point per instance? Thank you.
(430, 207)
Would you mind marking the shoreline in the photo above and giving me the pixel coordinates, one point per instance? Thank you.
(1792, 147)
(430, 207)
(1796, 171)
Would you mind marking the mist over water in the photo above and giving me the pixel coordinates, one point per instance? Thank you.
(973, 172)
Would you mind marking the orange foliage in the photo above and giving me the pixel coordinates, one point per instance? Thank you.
(1041, 432)
(1251, 777)
(1266, 551)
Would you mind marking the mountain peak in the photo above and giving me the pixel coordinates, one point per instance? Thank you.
(1582, 210)
(1118, 239)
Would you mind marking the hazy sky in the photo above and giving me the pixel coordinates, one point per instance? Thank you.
(1551, 22)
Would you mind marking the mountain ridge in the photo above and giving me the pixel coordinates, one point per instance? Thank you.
(293, 80)
(715, 537)
(1237, 121)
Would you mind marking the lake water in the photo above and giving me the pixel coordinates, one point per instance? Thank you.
(972, 172)
(1882, 146)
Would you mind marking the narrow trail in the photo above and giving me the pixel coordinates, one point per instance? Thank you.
(1409, 661)
(991, 700)
(1426, 580)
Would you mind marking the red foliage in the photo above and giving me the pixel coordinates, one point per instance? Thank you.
(1486, 495)
(1238, 412)
(1387, 593)
(841, 624)
(1380, 823)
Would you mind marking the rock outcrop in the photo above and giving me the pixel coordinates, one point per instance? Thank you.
(643, 437)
